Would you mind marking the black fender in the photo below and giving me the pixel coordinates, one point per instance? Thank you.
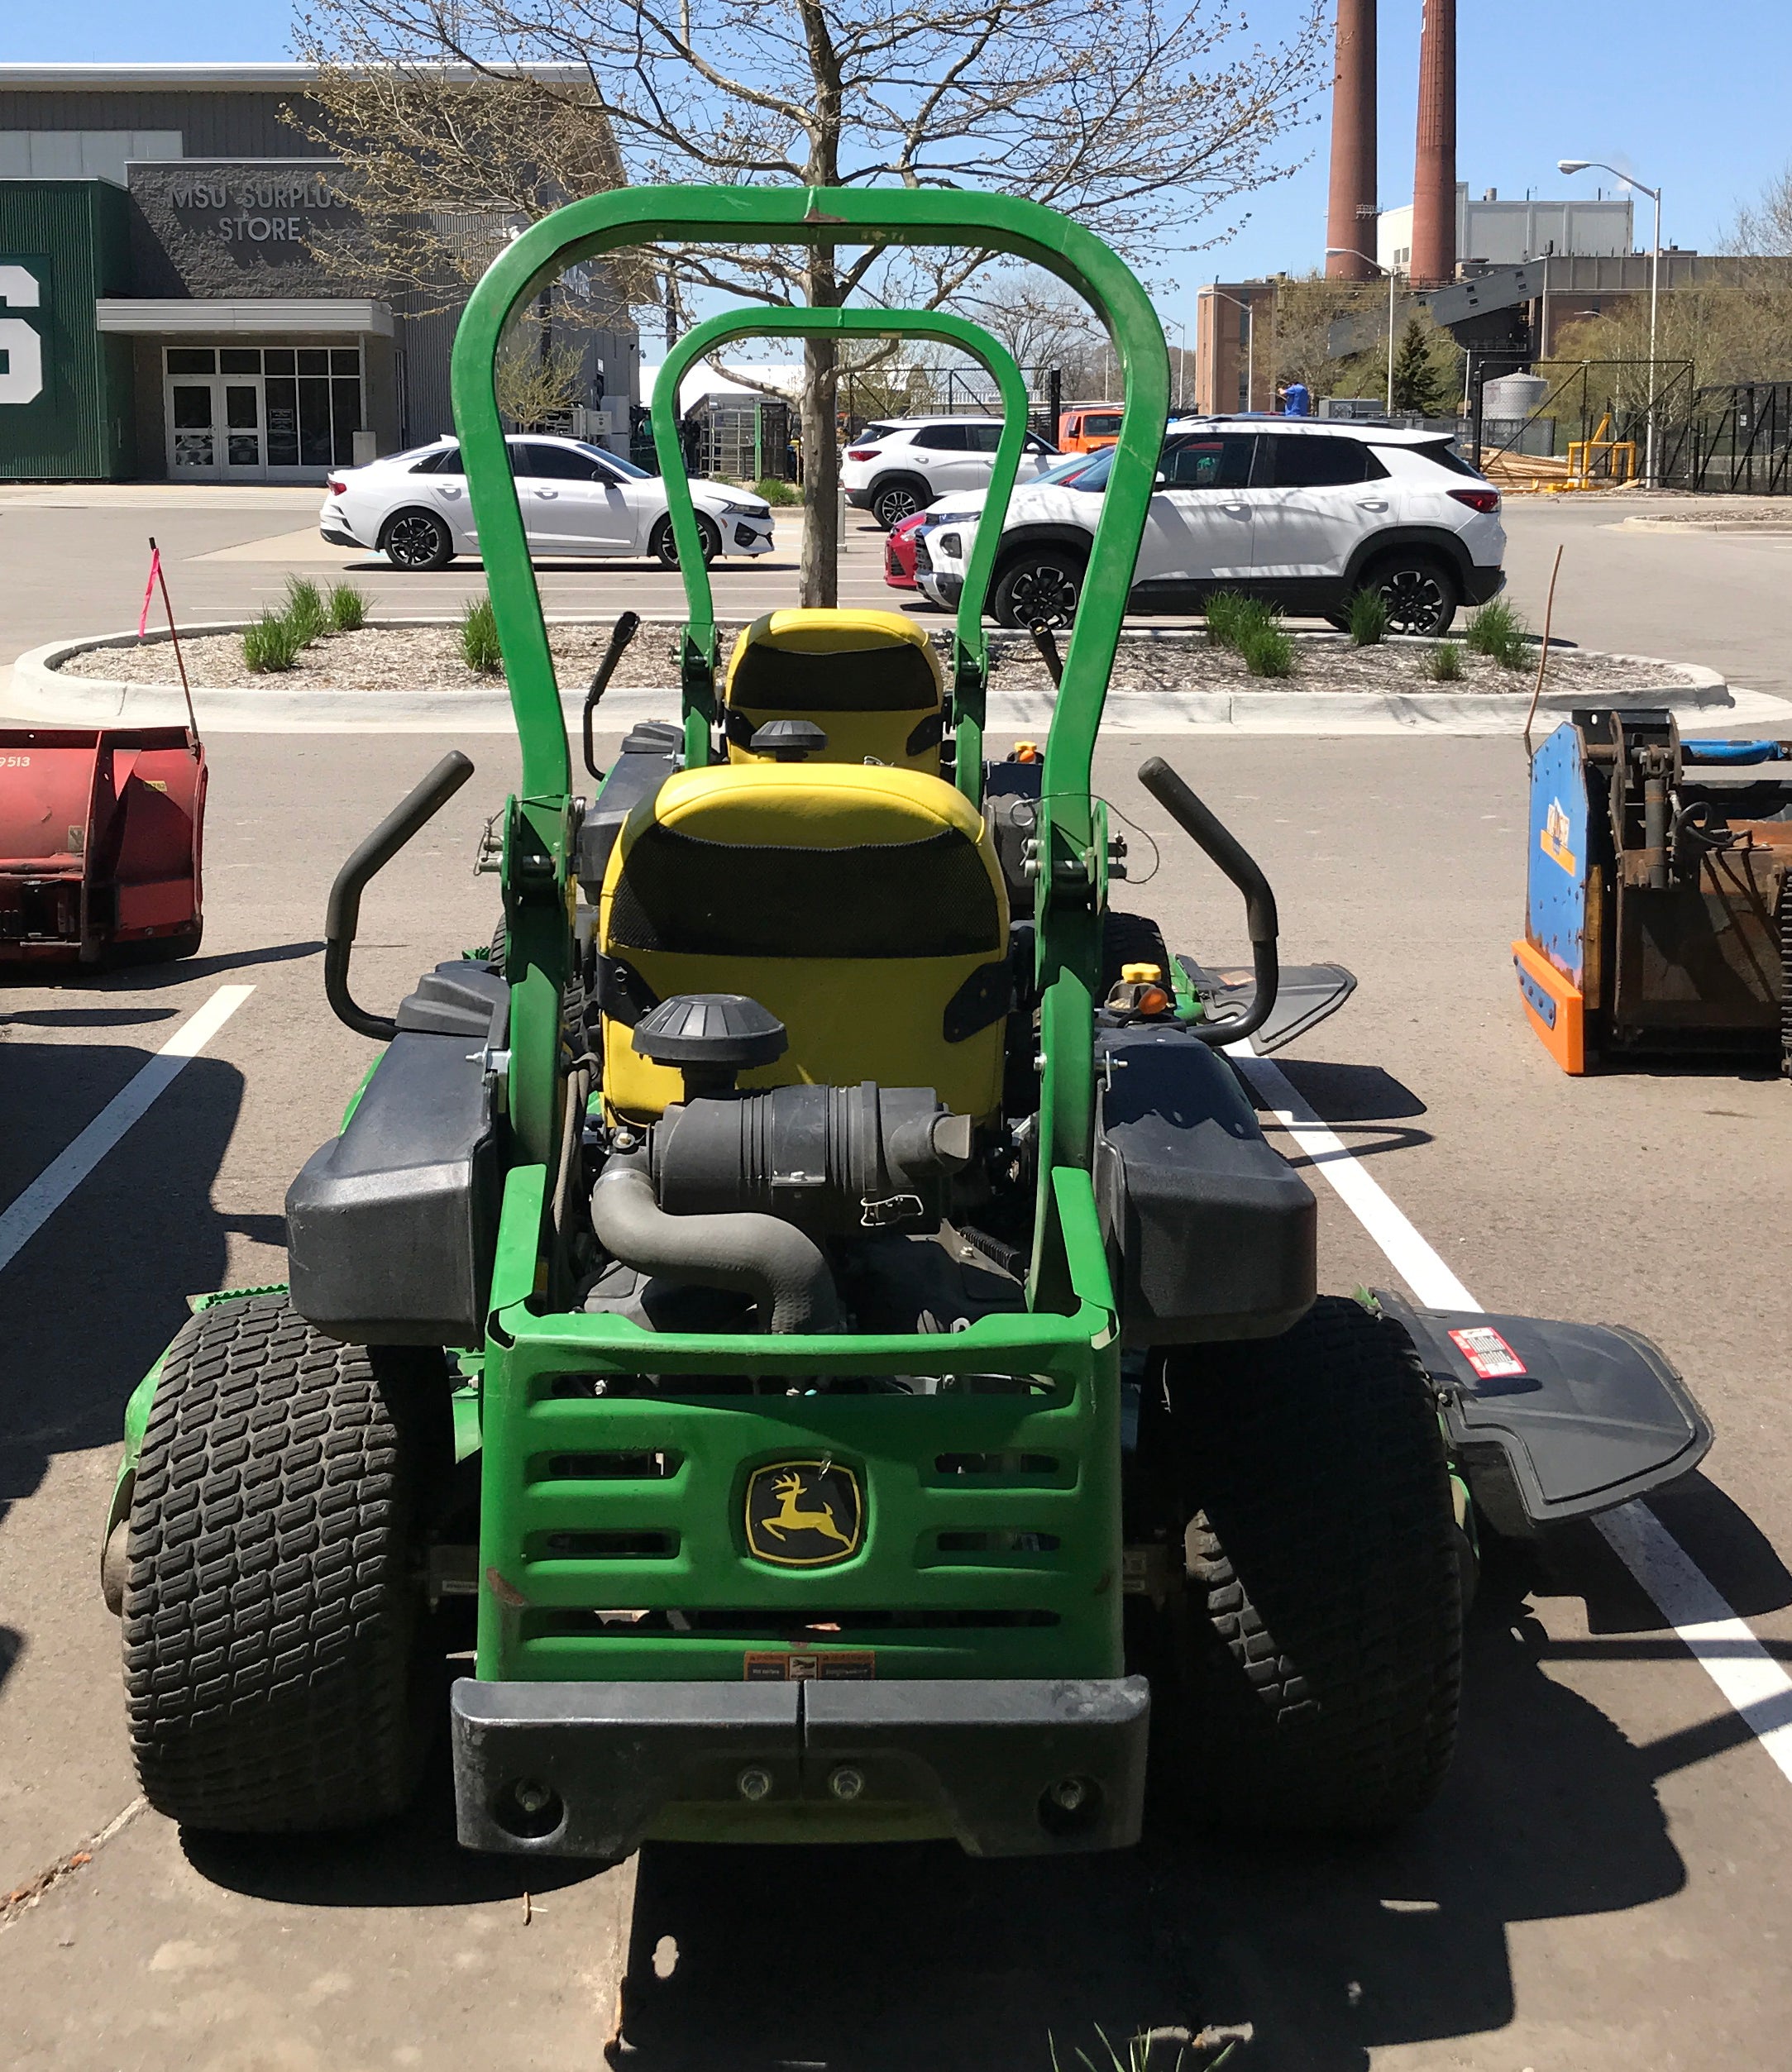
(880, 483)
(1056, 533)
(1447, 547)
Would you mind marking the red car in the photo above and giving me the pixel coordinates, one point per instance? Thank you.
(899, 552)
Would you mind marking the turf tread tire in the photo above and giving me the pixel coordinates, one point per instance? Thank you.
(271, 1605)
(1130, 938)
(1322, 1668)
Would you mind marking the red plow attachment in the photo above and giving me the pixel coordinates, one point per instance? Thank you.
(100, 838)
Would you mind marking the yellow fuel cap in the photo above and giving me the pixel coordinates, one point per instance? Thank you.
(1142, 974)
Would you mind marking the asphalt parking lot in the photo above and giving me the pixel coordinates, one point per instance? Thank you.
(1604, 1885)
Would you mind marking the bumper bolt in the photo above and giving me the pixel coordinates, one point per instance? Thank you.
(1068, 1794)
(846, 1783)
(753, 1784)
(532, 1796)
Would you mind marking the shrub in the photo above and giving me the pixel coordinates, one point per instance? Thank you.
(270, 643)
(1369, 618)
(1266, 649)
(479, 638)
(1496, 632)
(346, 607)
(776, 492)
(1223, 611)
(304, 609)
(1443, 663)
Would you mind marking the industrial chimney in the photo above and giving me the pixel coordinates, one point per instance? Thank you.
(1351, 217)
(1434, 172)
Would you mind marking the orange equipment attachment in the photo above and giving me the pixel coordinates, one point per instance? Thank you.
(100, 838)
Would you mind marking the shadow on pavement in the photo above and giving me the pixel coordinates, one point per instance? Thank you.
(895, 1958)
(100, 1289)
(413, 1861)
(1352, 1093)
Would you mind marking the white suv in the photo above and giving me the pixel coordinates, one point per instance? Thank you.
(1302, 513)
(899, 465)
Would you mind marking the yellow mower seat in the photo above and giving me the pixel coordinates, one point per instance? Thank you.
(870, 680)
(863, 906)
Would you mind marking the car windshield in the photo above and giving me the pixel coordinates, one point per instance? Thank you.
(1066, 471)
(1095, 475)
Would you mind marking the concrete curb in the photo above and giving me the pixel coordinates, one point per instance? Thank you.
(41, 693)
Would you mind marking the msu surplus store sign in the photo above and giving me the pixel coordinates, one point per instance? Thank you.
(258, 209)
(210, 223)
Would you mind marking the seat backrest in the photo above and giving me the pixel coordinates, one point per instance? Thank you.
(870, 680)
(863, 906)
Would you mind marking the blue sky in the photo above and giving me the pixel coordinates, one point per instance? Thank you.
(1691, 98)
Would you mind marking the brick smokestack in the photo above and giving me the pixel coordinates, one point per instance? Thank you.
(1434, 172)
(1350, 215)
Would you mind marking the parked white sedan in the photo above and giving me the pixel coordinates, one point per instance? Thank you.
(576, 499)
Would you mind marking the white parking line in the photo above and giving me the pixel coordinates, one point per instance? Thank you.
(1704, 1623)
(23, 1218)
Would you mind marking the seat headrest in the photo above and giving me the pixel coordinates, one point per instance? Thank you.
(819, 660)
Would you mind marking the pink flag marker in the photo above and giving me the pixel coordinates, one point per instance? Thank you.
(149, 588)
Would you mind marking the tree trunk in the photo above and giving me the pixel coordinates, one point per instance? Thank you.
(819, 582)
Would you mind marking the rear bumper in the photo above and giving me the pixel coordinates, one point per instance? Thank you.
(1480, 582)
(975, 1760)
(860, 498)
(338, 535)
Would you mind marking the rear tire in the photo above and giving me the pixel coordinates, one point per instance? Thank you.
(1421, 593)
(274, 1595)
(1040, 586)
(1321, 1652)
(892, 502)
(1130, 938)
(417, 541)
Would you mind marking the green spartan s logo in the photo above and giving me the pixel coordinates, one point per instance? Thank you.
(21, 351)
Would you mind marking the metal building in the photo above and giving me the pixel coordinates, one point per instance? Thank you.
(167, 308)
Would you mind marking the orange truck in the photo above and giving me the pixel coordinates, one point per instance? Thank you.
(1086, 428)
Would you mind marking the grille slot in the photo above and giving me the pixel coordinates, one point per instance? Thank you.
(644, 1544)
(605, 1467)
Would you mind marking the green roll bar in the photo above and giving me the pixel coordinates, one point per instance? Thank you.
(1072, 853)
(970, 671)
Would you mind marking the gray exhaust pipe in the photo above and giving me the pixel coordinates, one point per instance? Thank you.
(771, 1260)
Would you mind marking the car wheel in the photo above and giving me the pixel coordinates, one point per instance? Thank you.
(663, 546)
(1420, 591)
(899, 499)
(1039, 587)
(416, 540)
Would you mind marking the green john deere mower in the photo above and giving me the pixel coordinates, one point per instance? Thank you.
(810, 1326)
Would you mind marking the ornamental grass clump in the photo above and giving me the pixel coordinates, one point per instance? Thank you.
(1496, 632)
(1223, 611)
(345, 608)
(1266, 650)
(479, 639)
(1443, 663)
(304, 610)
(1369, 618)
(271, 644)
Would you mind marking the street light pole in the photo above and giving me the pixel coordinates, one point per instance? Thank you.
(1349, 251)
(1584, 165)
(1250, 343)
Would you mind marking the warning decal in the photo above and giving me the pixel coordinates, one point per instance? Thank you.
(775, 1665)
(1488, 1353)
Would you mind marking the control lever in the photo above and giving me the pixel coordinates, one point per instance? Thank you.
(1203, 827)
(1046, 641)
(624, 631)
(342, 916)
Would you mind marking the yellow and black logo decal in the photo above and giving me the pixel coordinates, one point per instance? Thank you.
(803, 1514)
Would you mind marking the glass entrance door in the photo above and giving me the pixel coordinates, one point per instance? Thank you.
(250, 413)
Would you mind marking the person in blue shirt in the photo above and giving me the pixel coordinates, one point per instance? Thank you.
(1297, 402)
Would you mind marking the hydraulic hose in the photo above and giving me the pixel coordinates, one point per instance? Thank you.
(783, 1271)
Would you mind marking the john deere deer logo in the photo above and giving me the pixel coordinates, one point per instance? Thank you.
(803, 1514)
